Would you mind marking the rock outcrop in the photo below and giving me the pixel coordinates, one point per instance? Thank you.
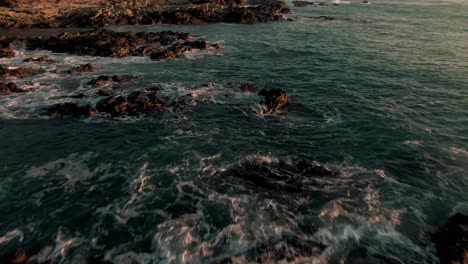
(102, 13)
(107, 43)
(275, 100)
(71, 109)
(452, 240)
(136, 103)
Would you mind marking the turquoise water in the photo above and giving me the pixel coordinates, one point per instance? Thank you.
(379, 95)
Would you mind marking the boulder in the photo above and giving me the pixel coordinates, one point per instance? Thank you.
(176, 50)
(246, 88)
(451, 240)
(275, 100)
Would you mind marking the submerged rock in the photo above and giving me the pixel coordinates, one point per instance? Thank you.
(9, 88)
(82, 68)
(6, 53)
(45, 59)
(113, 79)
(275, 100)
(292, 249)
(278, 176)
(452, 240)
(71, 109)
(136, 103)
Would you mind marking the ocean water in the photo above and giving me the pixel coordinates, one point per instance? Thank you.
(379, 95)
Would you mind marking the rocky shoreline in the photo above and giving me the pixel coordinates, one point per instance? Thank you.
(92, 14)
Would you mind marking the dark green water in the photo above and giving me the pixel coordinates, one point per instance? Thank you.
(379, 95)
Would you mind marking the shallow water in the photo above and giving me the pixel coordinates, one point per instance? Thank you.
(379, 96)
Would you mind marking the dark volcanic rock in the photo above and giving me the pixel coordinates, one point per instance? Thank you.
(71, 109)
(246, 88)
(303, 3)
(286, 250)
(105, 43)
(275, 100)
(177, 49)
(136, 103)
(9, 88)
(107, 80)
(82, 68)
(452, 240)
(101, 92)
(6, 53)
(45, 59)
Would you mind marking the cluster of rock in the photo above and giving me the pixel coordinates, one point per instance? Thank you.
(136, 103)
(101, 13)
(275, 100)
(108, 43)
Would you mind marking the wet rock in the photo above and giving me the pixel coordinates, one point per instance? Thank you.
(45, 59)
(78, 96)
(325, 18)
(303, 3)
(114, 79)
(137, 103)
(275, 100)
(9, 88)
(82, 68)
(452, 240)
(6, 53)
(106, 43)
(102, 13)
(292, 249)
(18, 72)
(176, 50)
(246, 88)
(71, 109)
(101, 92)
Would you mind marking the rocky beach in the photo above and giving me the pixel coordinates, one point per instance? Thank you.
(233, 131)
